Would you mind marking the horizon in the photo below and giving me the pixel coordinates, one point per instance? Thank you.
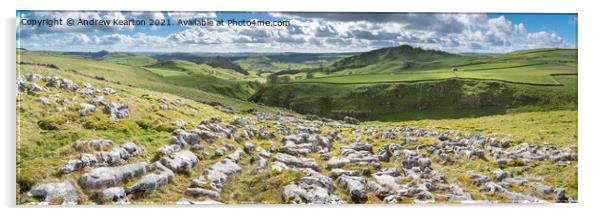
(275, 52)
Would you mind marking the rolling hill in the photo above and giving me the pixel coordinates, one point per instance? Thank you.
(402, 83)
(133, 76)
(114, 57)
(397, 59)
(216, 80)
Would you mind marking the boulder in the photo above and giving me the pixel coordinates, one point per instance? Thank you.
(541, 188)
(64, 192)
(501, 175)
(115, 111)
(36, 88)
(150, 182)
(185, 201)
(314, 189)
(335, 173)
(180, 161)
(355, 187)
(115, 195)
(201, 192)
(296, 162)
(86, 108)
(218, 172)
(104, 177)
(72, 166)
(249, 147)
(350, 120)
(383, 153)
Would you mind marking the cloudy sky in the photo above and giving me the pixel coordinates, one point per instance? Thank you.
(307, 32)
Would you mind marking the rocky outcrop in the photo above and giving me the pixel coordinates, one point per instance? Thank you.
(180, 161)
(62, 192)
(116, 156)
(285, 161)
(115, 195)
(104, 177)
(150, 182)
(314, 188)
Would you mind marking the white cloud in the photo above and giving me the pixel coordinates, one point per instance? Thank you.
(314, 32)
(191, 15)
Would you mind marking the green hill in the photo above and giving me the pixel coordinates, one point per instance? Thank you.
(133, 76)
(398, 59)
(401, 83)
(202, 69)
(221, 62)
(256, 63)
(125, 59)
(204, 77)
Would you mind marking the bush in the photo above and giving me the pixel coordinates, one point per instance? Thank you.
(54, 122)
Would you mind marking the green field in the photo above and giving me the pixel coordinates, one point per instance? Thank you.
(536, 74)
(127, 75)
(535, 67)
(129, 60)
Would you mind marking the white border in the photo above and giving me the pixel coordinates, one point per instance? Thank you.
(589, 94)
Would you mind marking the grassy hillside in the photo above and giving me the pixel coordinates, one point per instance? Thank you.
(402, 83)
(130, 76)
(204, 77)
(532, 74)
(256, 63)
(41, 152)
(221, 62)
(537, 114)
(452, 98)
(201, 69)
(397, 59)
(406, 59)
(132, 60)
(114, 57)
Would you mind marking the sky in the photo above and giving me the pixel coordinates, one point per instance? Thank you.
(306, 32)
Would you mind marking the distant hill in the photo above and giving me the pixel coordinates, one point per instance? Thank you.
(182, 65)
(221, 62)
(116, 57)
(213, 61)
(403, 57)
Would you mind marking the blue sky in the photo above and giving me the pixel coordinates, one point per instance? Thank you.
(563, 24)
(307, 32)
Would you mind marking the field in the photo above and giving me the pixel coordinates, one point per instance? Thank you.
(535, 67)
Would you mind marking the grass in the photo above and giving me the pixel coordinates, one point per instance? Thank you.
(129, 60)
(523, 113)
(438, 99)
(128, 76)
(554, 127)
(532, 74)
(199, 69)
